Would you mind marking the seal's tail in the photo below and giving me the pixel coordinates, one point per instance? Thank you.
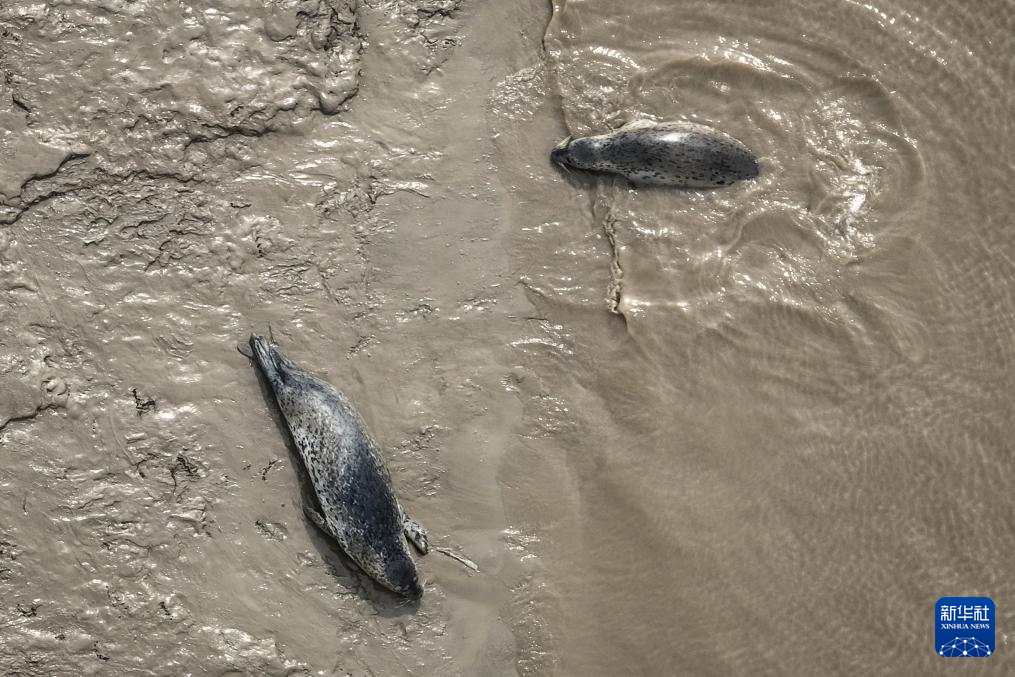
(266, 357)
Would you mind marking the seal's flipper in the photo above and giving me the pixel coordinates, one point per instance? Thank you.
(317, 518)
(266, 357)
(321, 523)
(416, 535)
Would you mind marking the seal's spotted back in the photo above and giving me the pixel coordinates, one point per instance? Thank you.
(664, 154)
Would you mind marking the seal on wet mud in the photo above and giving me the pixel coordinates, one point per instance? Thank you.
(353, 487)
(676, 154)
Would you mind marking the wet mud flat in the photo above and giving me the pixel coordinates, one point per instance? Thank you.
(175, 176)
(735, 432)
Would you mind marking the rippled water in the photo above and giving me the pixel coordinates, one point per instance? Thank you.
(794, 434)
(750, 431)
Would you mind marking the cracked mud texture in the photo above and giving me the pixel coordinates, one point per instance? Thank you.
(175, 176)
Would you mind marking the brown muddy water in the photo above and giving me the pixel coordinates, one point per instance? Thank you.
(751, 431)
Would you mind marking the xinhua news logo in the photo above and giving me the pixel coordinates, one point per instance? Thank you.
(965, 627)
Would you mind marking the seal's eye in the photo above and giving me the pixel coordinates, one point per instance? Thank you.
(559, 154)
(582, 152)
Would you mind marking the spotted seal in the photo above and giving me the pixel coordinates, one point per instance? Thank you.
(662, 154)
(352, 485)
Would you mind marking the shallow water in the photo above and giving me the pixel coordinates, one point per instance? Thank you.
(751, 431)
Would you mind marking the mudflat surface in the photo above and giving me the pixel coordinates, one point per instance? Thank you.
(753, 431)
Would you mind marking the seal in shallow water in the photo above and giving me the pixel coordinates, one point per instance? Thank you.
(662, 154)
(352, 485)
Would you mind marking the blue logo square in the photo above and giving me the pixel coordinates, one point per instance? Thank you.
(965, 627)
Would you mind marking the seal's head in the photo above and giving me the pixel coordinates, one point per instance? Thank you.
(579, 153)
(559, 152)
(399, 574)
